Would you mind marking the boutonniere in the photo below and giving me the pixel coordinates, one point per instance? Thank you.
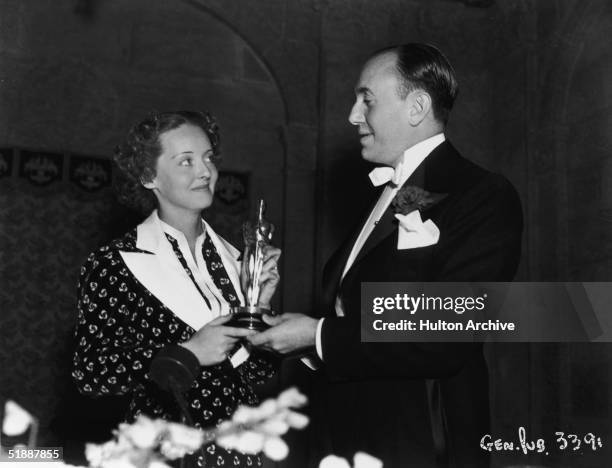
(407, 205)
(410, 198)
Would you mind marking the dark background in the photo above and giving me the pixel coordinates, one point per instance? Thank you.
(535, 101)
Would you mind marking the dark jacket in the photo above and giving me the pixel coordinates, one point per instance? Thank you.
(423, 404)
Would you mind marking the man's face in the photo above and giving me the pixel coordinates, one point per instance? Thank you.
(380, 114)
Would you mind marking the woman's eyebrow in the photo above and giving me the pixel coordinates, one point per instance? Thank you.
(182, 152)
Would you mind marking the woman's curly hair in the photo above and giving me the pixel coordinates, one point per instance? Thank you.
(136, 157)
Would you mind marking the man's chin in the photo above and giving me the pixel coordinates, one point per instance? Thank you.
(368, 155)
(377, 158)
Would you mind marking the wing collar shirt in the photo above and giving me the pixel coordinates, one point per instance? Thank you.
(411, 159)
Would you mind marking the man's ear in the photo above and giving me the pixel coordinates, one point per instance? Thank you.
(420, 107)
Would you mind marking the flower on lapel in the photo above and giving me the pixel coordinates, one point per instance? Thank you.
(411, 197)
(408, 204)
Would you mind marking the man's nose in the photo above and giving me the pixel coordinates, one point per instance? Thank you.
(356, 115)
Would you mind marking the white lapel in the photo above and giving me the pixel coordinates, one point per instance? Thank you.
(163, 275)
(229, 256)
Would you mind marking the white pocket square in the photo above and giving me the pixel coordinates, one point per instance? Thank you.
(413, 232)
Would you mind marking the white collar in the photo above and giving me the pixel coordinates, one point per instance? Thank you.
(151, 237)
(414, 156)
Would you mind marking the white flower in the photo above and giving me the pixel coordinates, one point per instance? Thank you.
(297, 420)
(360, 460)
(187, 438)
(251, 442)
(170, 451)
(275, 426)
(16, 419)
(244, 415)
(252, 430)
(143, 433)
(275, 448)
(246, 442)
(123, 462)
(267, 408)
(365, 460)
(291, 398)
(94, 454)
(158, 464)
(332, 461)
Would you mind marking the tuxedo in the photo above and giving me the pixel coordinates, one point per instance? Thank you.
(417, 404)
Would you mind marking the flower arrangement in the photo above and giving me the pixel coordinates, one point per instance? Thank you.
(149, 443)
(146, 443)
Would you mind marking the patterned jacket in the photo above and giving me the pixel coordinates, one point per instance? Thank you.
(134, 298)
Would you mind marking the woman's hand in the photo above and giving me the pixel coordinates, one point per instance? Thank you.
(269, 276)
(213, 341)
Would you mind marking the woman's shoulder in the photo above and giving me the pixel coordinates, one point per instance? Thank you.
(109, 253)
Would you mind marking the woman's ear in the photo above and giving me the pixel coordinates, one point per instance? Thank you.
(150, 184)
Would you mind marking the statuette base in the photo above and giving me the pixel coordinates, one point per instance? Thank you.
(249, 317)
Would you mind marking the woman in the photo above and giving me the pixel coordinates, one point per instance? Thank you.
(170, 281)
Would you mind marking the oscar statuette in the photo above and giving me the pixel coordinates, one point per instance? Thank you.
(257, 234)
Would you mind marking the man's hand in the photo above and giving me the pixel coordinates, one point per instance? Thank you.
(213, 341)
(290, 332)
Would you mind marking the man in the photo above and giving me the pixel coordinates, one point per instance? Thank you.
(410, 404)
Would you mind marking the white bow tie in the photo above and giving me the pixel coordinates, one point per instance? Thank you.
(382, 175)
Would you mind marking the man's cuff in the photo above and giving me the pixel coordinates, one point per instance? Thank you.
(318, 344)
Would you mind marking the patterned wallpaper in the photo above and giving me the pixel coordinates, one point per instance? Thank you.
(45, 233)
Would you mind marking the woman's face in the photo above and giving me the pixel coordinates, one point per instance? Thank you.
(185, 175)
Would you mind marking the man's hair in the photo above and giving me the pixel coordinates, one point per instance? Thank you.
(422, 66)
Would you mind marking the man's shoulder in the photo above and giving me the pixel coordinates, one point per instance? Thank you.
(472, 176)
(474, 192)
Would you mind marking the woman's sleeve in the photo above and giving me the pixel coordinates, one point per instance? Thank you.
(112, 356)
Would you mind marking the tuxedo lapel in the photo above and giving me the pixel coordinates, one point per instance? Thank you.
(333, 272)
(384, 228)
(335, 266)
(436, 173)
